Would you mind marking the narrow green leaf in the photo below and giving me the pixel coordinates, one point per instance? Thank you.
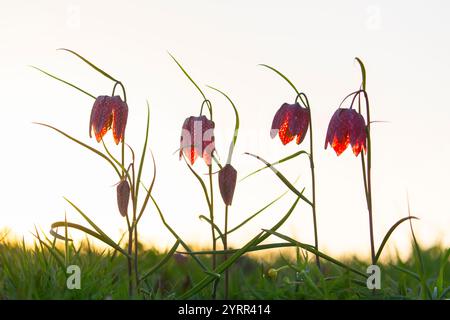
(311, 249)
(163, 261)
(144, 149)
(103, 235)
(443, 263)
(408, 272)
(90, 64)
(257, 213)
(221, 236)
(236, 126)
(149, 190)
(64, 81)
(283, 76)
(388, 234)
(58, 259)
(188, 76)
(185, 246)
(363, 72)
(81, 144)
(86, 231)
(252, 249)
(227, 263)
(282, 178)
(292, 156)
(444, 293)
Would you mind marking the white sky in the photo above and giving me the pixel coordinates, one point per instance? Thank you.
(403, 44)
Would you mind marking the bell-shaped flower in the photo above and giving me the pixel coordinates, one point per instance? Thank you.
(290, 121)
(197, 139)
(108, 113)
(346, 127)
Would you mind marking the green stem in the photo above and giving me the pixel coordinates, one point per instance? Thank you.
(225, 247)
(367, 170)
(369, 180)
(129, 261)
(213, 232)
(313, 185)
(134, 227)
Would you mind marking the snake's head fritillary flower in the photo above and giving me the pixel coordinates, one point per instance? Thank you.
(197, 139)
(123, 197)
(108, 113)
(347, 127)
(227, 183)
(290, 121)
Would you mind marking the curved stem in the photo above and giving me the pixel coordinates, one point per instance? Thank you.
(287, 80)
(123, 90)
(367, 170)
(205, 100)
(369, 179)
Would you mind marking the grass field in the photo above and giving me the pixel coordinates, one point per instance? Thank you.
(40, 273)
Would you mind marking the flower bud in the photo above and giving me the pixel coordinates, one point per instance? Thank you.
(123, 196)
(272, 273)
(227, 183)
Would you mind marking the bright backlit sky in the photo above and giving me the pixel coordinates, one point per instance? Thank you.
(402, 43)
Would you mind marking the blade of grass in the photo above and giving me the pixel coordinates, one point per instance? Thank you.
(252, 249)
(185, 246)
(227, 263)
(311, 249)
(104, 237)
(259, 211)
(58, 259)
(90, 64)
(236, 125)
(443, 263)
(64, 81)
(86, 231)
(163, 261)
(221, 235)
(408, 272)
(388, 234)
(187, 75)
(149, 190)
(144, 149)
(292, 156)
(282, 178)
(81, 144)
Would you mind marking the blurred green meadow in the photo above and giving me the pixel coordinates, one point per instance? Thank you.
(39, 272)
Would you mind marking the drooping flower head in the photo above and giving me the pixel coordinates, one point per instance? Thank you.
(291, 120)
(197, 139)
(108, 113)
(227, 183)
(346, 127)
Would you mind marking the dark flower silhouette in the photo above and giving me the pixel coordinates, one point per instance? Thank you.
(108, 112)
(227, 183)
(346, 127)
(197, 139)
(123, 196)
(290, 120)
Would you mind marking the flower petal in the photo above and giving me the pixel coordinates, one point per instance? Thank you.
(278, 120)
(101, 117)
(120, 115)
